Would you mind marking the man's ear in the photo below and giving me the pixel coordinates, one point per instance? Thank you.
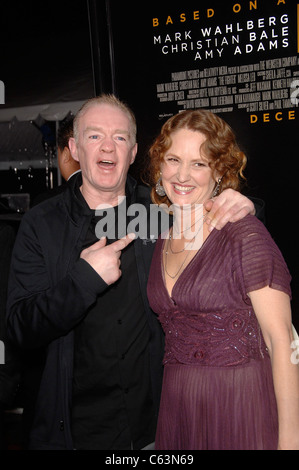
(66, 155)
(73, 148)
(134, 153)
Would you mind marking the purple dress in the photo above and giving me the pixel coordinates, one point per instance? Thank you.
(218, 389)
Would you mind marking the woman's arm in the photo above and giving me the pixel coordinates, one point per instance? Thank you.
(273, 311)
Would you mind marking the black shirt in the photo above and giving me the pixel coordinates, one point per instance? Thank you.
(112, 402)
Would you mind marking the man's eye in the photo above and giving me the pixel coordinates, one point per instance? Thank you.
(121, 138)
(93, 136)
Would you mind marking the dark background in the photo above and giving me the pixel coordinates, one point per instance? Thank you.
(62, 51)
(271, 148)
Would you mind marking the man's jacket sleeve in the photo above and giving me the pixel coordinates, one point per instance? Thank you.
(259, 205)
(39, 309)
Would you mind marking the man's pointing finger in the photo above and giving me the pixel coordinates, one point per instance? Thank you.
(123, 242)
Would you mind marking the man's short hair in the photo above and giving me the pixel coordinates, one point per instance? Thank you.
(111, 100)
(65, 132)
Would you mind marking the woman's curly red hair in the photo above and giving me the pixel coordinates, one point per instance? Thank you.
(220, 148)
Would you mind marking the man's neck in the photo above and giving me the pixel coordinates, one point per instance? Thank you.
(103, 198)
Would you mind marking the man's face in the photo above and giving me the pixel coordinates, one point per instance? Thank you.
(105, 150)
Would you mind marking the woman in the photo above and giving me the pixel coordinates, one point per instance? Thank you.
(223, 299)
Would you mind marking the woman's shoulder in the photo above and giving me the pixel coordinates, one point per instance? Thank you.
(250, 237)
(245, 227)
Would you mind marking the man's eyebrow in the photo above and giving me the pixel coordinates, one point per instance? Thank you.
(122, 131)
(100, 129)
(92, 128)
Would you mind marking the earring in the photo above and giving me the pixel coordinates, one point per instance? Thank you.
(159, 188)
(217, 188)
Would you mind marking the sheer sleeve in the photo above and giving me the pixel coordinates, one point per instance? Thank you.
(258, 262)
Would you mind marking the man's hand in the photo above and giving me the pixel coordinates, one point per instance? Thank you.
(105, 259)
(229, 206)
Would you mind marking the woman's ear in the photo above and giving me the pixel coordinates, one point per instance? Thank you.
(217, 187)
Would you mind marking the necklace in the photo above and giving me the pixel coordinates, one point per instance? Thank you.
(173, 276)
(179, 251)
(202, 217)
(183, 231)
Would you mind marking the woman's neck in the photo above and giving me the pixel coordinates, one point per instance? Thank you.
(188, 219)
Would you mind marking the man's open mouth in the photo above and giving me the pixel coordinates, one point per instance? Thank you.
(106, 163)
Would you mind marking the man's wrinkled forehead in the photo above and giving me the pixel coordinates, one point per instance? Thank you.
(100, 116)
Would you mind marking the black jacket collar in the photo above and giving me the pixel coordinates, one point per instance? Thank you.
(76, 208)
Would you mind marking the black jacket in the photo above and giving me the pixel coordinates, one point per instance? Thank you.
(50, 292)
(10, 367)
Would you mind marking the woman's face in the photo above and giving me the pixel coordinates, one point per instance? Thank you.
(186, 174)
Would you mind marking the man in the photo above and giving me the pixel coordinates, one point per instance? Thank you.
(84, 299)
(67, 165)
(9, 359)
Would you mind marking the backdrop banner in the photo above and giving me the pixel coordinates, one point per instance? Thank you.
(237, 58)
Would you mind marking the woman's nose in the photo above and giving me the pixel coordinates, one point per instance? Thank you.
(183, 173)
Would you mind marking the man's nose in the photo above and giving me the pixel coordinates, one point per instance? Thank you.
(107, 144)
